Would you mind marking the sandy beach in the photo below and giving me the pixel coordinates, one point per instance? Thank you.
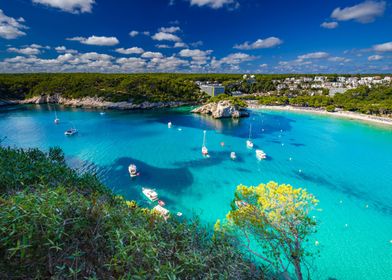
(385, 121)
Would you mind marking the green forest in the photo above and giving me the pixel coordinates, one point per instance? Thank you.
(161, 87)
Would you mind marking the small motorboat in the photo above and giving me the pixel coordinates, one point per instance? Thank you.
(150, 194)
(260, 154)
(71, 132)
(161, 202)
(102, 113)
(179, 214)
(162, 211)
(249, 144)
(169, 124)
(132, 169)
(56, 120)
(233, 156)
(204, 149)
(222, 144)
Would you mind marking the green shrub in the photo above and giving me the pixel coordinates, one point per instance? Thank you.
(55, 223)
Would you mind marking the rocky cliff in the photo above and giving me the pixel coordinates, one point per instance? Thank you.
(221, 109)
(95, 102)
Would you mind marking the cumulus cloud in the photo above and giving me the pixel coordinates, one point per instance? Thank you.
(11, 28)
(133, 50)
(339, 59)
(63, 49)
(364, 12)
(171, 29)
(71, 6)
(329, 25)
(233, 60)
(386, 47)
(152, 55)
(25, 51)
(215, 4)
(260, 44)
(180, 45)
(198, 57)
(96, 40)
(313, 55)
(375, 57)
(164, 36)
(133, 33)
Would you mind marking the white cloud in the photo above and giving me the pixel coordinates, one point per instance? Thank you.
(386, 47)
(264, 65)
(180, 45)
(215, 4)
(339, 59)
(152, 55)
(196, 44)
(314, 55)
(364, 12)
(71, 6)
(164, 36)
(330, 25)
(96, 40)
(260, 44)
(165, 64)
(375, 57)
(171, 29)
(198, 57)
(133, 33)
(232, 60)
(162, 46)
(63, 49)
(11, 28)
(25, 51)
(147, 33)
(133, 50)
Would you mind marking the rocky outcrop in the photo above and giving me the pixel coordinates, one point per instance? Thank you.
(95, 102)
(221, 109)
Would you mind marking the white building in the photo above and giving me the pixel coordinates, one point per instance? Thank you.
(213, 90)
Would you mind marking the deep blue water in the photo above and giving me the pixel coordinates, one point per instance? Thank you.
(346, 164)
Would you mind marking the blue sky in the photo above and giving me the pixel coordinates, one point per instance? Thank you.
(255, 36)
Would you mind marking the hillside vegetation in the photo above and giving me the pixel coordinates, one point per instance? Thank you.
(57, 224)
(376, 100)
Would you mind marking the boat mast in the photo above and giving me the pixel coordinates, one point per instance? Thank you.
(204, 138)
(250, 131)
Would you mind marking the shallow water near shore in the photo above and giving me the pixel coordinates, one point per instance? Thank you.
(346, 164)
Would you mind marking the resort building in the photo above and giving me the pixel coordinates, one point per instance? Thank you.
(213, 90)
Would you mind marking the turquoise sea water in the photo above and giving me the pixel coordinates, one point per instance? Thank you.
(346, 164)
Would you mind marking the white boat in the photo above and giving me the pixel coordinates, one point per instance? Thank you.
(162, 211)
(71, 132)
(249, 143)
(169, 124)
(179, 214)
(204, 149)
(150, 194)
(132, 169)
(233, 156)
(102, 113)
(260, 154)
(56, 119)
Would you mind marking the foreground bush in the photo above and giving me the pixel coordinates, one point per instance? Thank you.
(57, 224)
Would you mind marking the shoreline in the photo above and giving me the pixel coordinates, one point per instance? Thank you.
(94, 103)
(375, 120)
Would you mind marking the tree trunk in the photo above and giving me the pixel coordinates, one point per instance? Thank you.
(298, 271)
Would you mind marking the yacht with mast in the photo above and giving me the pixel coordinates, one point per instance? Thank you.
(249, 143)
(204, 149)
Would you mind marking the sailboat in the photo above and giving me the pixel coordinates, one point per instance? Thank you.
(249, 142)
(204, 149)
(70, 132)
(56, 119)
